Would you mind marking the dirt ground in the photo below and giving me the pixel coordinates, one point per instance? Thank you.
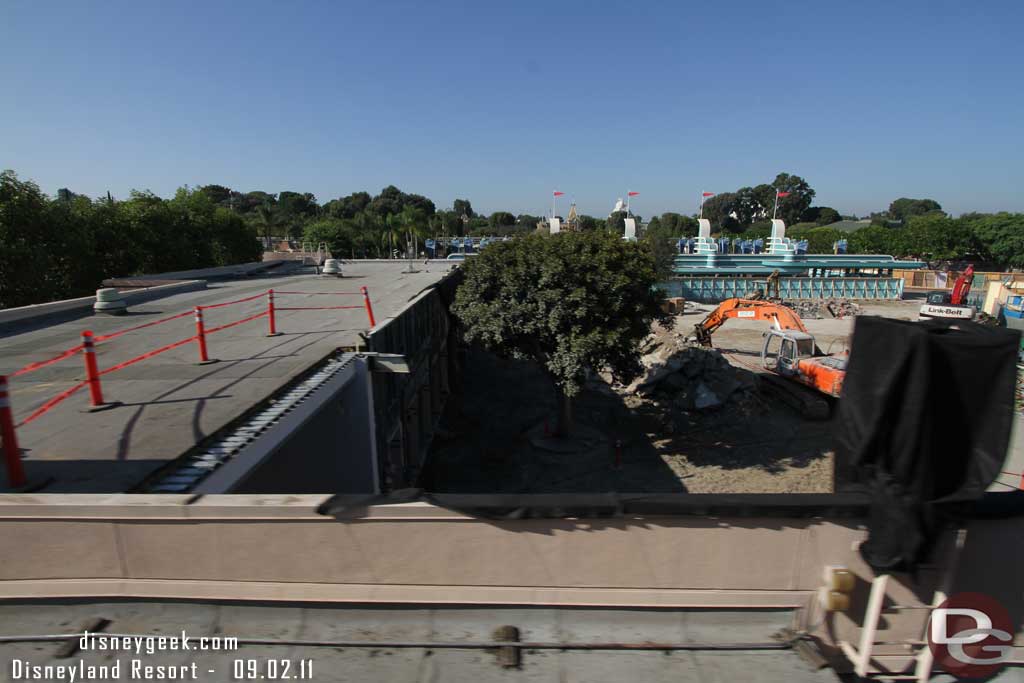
(489, 436)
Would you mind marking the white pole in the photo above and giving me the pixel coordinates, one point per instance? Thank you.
(702, 203)
(776, 211)
(627, 202)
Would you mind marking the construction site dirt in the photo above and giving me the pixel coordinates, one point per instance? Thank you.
(698, 421)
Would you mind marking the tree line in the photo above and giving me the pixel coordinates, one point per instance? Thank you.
(64, 247)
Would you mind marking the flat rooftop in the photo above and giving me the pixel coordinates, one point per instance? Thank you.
(170, 402)
(291, 626)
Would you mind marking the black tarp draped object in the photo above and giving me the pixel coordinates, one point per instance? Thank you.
(924, 419)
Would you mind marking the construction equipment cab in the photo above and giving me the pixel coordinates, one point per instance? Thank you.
(943, 304)
(795, 354)
(789, 349)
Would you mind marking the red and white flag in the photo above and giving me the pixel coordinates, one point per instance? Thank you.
(632, 194)
(781, 194)
(558, 194)
(708, 194)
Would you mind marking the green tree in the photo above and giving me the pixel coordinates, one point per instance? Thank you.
(339, 235)
(935, 237)
(590, 223)
(616, 223)
(903, 208)
(678, 225)
(874, 239)
(391, 234)
(348, 207)
(659, 243)
(267, 220)
(793, 206)
(758, 230)
(25, 274)
(1000, 236)
(218, 194)
(526, 222)
(719, 210)
(416, 224)
(501, 219)
(821, 215)
(462, 207)
(572, 303)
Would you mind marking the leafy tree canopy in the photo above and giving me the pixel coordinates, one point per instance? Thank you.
(1002, 235)
(462, 207)
(570, 302)
(903, 208)
(500, 219)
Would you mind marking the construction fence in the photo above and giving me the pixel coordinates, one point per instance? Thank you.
(86, 349)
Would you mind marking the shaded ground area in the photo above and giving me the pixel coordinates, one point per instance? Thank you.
(752, 443)
(752, 446)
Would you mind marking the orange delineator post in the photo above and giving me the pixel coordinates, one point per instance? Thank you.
(270, 312)
(201, 335)
(92, 373)
(9, 439)
(369, 308)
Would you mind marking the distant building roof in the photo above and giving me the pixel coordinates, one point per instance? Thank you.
(849, 226)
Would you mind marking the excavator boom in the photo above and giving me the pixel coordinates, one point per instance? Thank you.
(782, 317)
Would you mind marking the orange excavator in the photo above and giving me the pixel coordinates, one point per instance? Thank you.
(789, 349)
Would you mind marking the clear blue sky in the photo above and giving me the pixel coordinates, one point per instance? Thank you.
(503, 102)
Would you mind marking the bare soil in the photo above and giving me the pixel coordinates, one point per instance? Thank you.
(754, 445)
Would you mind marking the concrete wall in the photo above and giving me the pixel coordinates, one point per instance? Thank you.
(279, 548)
(132, 544)
(9, 317)
(408, 407)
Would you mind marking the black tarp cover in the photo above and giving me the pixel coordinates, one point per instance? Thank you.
(924, 419)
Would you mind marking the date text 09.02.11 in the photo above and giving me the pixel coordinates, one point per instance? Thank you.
(272, 669)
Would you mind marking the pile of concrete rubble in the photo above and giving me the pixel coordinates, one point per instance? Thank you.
(824, 308)
(692, 377)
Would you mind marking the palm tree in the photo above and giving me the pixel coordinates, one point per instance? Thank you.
(391, 233)
(268, 218)
(414, 220)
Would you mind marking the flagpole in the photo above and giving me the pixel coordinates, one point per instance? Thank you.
(702, 204)
(553, 197)
(775, 211)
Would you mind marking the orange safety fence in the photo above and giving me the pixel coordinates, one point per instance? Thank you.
(236, 301)
(278, 291)
(115, 335)
(7, 425)
(313, 308)
(237, 322)
(43, 363)
(49, 405)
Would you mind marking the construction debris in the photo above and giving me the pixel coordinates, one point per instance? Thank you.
(692, 377)
(817, 309)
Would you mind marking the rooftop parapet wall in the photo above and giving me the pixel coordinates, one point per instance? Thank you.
(216, 548)
(10, 317)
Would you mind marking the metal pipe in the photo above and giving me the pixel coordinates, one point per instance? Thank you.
(432, 645)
